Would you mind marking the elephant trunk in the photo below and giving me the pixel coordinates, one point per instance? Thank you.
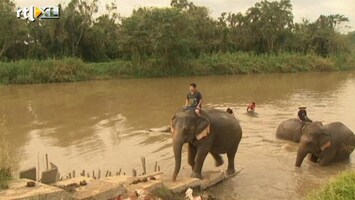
(177, 153)
(301, 154)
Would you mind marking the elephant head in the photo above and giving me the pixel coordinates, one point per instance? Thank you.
(186, 126)
(314, 140)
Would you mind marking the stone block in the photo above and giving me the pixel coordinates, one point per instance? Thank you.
(30, 173)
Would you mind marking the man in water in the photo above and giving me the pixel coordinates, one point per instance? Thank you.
(251, 107)
(302, 114)
(194, 99)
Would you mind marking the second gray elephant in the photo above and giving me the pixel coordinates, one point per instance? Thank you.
(291, 129)
(326, 144)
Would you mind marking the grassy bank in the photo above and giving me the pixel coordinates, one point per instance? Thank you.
(5, 158)
(341, 187)
(72, 69)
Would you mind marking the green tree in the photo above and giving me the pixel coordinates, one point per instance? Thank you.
(12, 29)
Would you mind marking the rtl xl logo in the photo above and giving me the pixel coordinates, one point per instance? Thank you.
(32, 13)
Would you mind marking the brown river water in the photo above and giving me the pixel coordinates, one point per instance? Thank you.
(100, 125)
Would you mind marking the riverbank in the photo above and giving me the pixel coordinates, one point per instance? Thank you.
(73, 69)
(340, 187)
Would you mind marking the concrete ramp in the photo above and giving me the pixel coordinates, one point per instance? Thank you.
(210, 179)
(94, 188)
(18, 190)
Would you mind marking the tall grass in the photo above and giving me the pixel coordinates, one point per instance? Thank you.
(46, 71)
(341, 187)
(73, 69)
(5, 157)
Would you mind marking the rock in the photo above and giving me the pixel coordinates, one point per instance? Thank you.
(30, 184)
(83, 182)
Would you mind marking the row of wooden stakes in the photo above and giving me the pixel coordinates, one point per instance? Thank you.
(110, 173)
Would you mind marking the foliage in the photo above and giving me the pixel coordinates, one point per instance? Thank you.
(171, 36)
(5, 160)
(69, 69)
(341, 187)
(165, 193)
(46, 71)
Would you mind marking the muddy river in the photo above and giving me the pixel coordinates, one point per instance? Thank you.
(100, 125)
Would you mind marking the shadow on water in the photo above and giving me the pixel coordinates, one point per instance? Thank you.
(91, 125)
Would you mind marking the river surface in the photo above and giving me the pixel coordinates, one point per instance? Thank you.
(100, 125)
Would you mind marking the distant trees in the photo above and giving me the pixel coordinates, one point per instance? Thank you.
(167, 35)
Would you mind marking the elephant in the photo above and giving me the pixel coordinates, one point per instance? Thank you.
(215, 132)
(291, 129)
(329, 143)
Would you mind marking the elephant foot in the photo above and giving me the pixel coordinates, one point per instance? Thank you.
(219, 162)
(230, 171)
(196, 175)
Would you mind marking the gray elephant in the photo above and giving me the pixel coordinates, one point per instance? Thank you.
(291, 129)
(326, 144)
(216, 132)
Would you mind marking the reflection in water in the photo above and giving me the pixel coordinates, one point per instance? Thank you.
(98, 125)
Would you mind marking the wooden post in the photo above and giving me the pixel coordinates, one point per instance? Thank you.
(47, 162)
(69, 175)
(110, 174)
(143, 165)
(119, 172)
(93, 174)
(99, 174)
(106, 173)
(156, 166)
(38, 169)
(88, 175)
(134, 173)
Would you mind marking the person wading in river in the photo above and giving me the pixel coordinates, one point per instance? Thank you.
(251, 107)
(194, 99)
(302, 115)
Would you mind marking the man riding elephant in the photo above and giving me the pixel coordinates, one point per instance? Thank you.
(194, 99)
(302, 114)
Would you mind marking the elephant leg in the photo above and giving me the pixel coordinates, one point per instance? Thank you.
(200, 159)
(218, 159)
(231, 156)
(192, 150)
(327, 157)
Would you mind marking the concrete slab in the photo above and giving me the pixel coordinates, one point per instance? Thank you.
(30, 173)
(149, 185)
(50, 176)
(73, 180)
(18, 191)
(210, 179)
(181, 184)
(97, 189)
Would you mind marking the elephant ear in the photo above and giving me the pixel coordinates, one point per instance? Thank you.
(326, 145)
(202, 127)
(328, 142)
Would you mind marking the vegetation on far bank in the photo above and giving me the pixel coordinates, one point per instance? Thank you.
(73, 69)
(341, 187)
(183, 39)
